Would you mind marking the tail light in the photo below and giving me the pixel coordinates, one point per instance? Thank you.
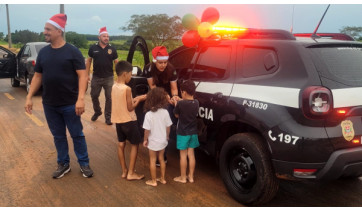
(33, 63)
(317, 102)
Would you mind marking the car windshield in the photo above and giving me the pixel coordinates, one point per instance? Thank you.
(342, 64)
(39, 46)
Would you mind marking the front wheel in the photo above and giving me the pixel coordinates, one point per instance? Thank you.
(246, 169)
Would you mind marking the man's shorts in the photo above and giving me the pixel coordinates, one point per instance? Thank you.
(187, 141)
(128, 131)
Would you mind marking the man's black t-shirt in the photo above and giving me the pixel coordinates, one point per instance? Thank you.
(102, 60)
(166, 86)
(59, 77)
(187, 120)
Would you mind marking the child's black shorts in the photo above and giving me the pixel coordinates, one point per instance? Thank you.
(128, 131)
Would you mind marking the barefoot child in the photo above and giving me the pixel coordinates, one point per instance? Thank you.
(123, 115)
(157, 125)
(186, 111)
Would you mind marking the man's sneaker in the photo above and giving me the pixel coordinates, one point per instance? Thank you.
(87, 171)
(61, 171)
(108, 122)
(95, 116)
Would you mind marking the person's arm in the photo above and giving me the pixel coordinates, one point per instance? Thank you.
(150, 83)
(176, 110)
(132, 103)
(174, 92)
(82, 84)
(87, 67)
(145, 138)
(34, 87)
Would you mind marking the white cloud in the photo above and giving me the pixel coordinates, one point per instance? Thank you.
(96, 19)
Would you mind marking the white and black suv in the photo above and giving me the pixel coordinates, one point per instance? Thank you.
(273, 104)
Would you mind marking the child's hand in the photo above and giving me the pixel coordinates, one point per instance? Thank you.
(143, 97)
(145, 143)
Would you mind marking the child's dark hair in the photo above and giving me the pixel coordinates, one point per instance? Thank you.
(156, 99)
(189, 87)
(123, 66)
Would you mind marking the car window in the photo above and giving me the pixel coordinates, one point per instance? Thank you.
(182, 62)
(2, 53)
(341, 64)
(26, 52)
(256, 61)
(212, 63)
(39, 46)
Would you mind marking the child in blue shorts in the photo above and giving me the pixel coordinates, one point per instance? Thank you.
(186, 111)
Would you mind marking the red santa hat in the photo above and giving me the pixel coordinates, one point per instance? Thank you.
(159, 53)
(103, 30)
(58, 21)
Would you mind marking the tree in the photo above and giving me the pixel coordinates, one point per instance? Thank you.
(23, 36)
(1, 35)
(355, 32)
(159, 28)
(78, 40)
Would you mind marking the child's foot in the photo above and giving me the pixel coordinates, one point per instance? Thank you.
(179, 179)
(163, 181)
(124, 174)
(151, 183)
(190, 179)
(135, 176)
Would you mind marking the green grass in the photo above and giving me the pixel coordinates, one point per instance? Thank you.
(122, 55)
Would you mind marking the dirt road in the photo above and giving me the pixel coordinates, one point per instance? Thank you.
(28, 159)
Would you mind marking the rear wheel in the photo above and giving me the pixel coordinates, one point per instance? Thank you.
(15, 82)
(246, 169)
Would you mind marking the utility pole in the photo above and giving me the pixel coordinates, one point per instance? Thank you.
(9, 32)
(62, 12)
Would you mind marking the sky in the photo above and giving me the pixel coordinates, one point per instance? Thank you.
(88, 18)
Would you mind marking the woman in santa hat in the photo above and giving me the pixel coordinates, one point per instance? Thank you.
(161, 73)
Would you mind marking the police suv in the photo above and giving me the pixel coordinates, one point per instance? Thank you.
(274, 105)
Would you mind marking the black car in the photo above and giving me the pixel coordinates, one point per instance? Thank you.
(20, 67)
(274, 106)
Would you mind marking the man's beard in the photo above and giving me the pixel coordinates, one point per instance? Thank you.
(104, 43)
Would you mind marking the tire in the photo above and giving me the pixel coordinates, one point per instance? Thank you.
(246, 169)
(15, 82)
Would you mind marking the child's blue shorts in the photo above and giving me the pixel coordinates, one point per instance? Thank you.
(187, 141)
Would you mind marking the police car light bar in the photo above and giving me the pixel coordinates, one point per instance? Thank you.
(228, 29)
(228, 32)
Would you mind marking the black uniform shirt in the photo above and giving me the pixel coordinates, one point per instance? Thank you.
(102, 60)
(166, 86)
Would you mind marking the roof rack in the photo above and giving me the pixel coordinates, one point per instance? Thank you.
(250, 33)
(335, 36)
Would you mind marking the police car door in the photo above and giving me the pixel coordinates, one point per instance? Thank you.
(213, 74)
(7, 63)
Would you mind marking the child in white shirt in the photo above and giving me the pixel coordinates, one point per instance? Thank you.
(157, 125)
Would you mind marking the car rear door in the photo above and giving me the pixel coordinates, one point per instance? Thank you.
(7, 63)
(340, 68)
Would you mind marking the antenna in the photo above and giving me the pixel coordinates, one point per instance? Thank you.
(291, 28)
(314, 35)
